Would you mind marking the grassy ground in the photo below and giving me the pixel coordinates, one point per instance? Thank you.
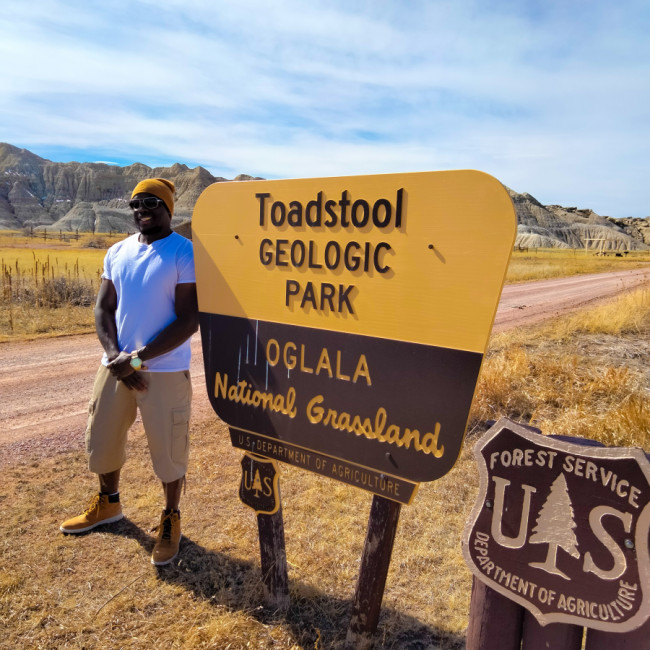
(540, 264)
(46, 285)
(585, 375)
(576, 376)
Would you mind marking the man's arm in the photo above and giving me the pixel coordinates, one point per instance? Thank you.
(105, 308)
(106, 328)
(178, 331)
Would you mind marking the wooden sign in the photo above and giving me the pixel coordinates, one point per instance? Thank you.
(344, 320)
(259, 484)
(562, 528)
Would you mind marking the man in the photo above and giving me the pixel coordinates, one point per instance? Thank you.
(145, 314)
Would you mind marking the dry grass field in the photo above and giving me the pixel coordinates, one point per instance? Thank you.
(586, 375)
(46, 285)
(542, 264)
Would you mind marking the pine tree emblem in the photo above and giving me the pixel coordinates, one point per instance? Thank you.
(555, 524)
(257, 483)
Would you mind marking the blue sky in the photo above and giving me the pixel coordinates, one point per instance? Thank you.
(550, 97)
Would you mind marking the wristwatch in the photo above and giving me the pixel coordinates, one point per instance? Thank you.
(136, 361)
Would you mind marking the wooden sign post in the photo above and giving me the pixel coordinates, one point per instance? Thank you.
(344, 322)
(562, 530)
(375, 561)
(260, 490)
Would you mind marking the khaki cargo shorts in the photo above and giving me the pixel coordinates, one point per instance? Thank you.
(165, 411)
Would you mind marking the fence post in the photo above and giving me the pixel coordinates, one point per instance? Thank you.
(495, 622)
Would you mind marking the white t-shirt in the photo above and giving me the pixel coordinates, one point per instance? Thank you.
(145, 278)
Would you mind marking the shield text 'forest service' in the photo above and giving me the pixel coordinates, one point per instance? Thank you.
(562, 528)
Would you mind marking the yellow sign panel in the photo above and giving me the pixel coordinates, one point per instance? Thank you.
(415, 257)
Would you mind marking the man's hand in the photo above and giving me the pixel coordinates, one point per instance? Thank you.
(120, 366)
(121, 369)
(135, 381)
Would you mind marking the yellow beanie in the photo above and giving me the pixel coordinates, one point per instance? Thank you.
(160, 187)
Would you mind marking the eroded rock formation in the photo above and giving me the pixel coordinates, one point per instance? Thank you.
(37, 193)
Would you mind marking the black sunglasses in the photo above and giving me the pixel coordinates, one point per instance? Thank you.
(149, 203)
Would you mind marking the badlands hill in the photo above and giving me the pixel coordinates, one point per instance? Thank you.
(552, 226)
(38, 193)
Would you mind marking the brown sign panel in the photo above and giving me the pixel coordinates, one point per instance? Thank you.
(259, 484)
(385, 485)
(562, 528)
(347, 396)
(349, 316)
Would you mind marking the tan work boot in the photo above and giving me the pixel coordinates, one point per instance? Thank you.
(168, 538)
(99, 511)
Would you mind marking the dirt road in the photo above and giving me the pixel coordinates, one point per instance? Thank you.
(532, 302)
(45, 385)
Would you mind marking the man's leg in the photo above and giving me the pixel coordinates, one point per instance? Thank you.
(173, 493)
(110, 483)
(169, 531)
(165, 410)
(111, 412)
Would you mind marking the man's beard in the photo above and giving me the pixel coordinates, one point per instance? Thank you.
(153, 230)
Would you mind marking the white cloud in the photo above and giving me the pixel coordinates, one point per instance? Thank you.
(552, 98)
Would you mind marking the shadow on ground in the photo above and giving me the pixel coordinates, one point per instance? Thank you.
(316, 620)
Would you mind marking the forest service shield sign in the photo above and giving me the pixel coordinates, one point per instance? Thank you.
(562, 528)
(259, 484)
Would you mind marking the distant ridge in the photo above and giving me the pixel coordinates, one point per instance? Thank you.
(38, 193)
(553, 226)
